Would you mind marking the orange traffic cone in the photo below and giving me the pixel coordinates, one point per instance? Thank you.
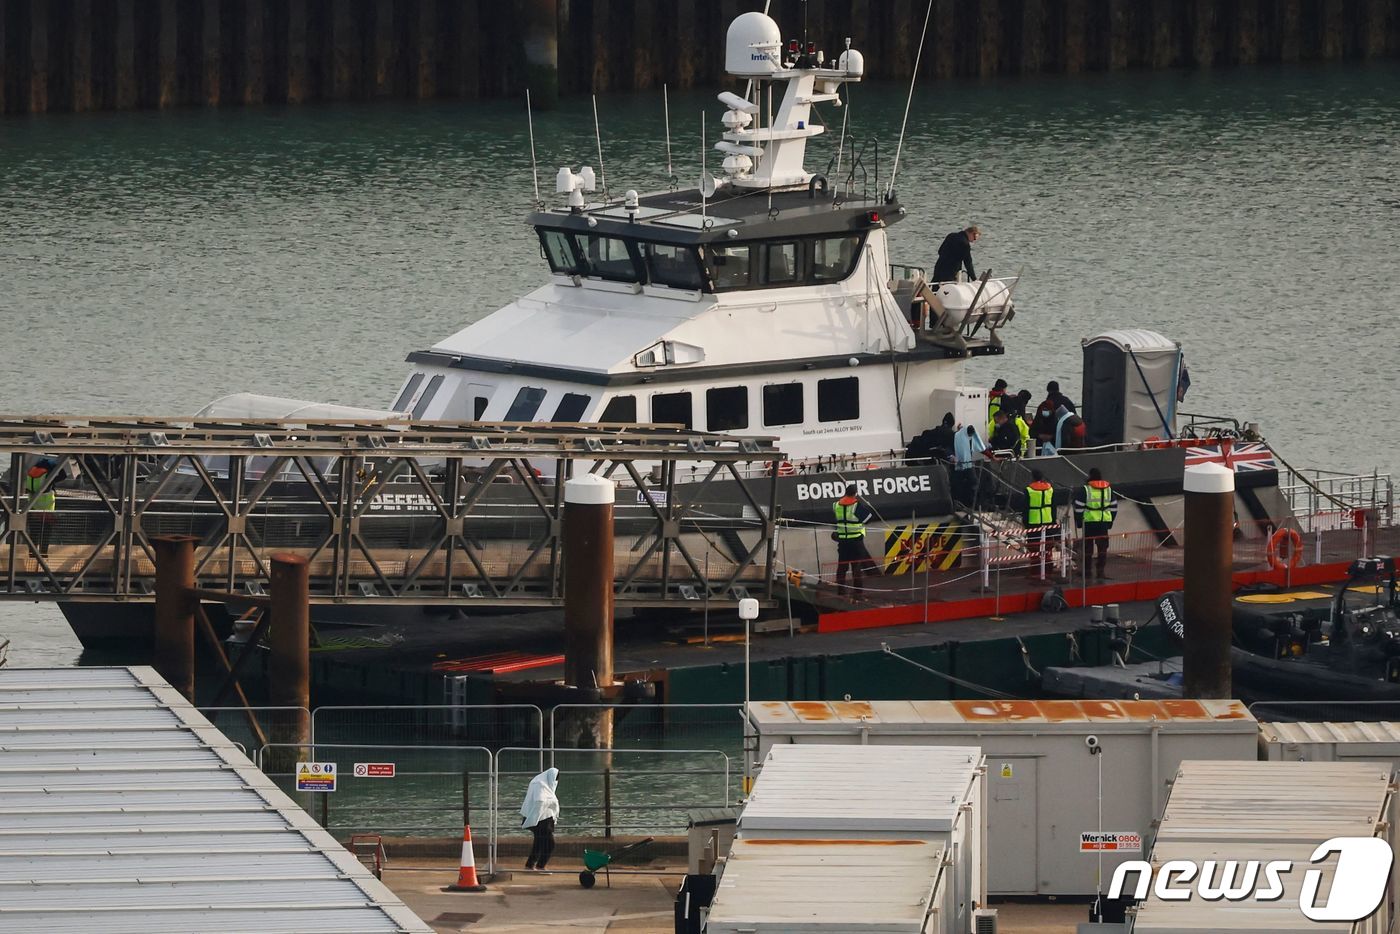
(466, 875)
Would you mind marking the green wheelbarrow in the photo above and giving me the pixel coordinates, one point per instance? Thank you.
(593, 860)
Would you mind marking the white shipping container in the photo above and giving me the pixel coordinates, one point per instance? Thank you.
(885, 839)
(1331, 742)
(1267, 811)
(1042, 778)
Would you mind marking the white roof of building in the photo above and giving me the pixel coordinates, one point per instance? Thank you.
(982, 716)
(858, 885)
(1263, 811)
(123, 809)
(908, 789)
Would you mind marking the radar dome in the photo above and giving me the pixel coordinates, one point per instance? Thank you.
(852, 63)
(754, 46)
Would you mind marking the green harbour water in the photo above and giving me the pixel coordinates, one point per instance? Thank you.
(151, 262)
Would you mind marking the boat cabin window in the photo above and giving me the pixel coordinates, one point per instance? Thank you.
(427, 397)
(782, 404)
(526, 404)
(671, 408)
(729, 266)
(479, 407)
(620, 410)
(559, 249)
(571, 407)
(780, 263)
(609, 258)
(727, 408)
(414, 382)
(834, 258)
(676, 266)
(838, 400)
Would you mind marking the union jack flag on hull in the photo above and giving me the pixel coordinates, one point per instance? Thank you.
(1242, 458)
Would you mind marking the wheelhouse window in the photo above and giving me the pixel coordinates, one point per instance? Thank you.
(838, 400)
(620, 410)
(834, 258)
(526, 404)
(427, 396)
(729, 265)
(671, 408)
(559, 250)
(571, 407)
(782, 404)
(676, 266)
(406, 396)
(609, 258)
(727, 408)
(780, 264)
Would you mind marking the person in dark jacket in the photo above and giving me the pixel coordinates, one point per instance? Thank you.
(1006, 440)
(1054, 398)
(956, 253)
(933, 444)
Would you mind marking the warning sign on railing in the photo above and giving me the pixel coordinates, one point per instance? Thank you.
(1095, 841)
(315, 776)
(374, 770)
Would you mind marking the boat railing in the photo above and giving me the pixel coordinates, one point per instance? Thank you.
(1325, 500)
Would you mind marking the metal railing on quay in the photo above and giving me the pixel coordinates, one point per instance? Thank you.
(487, 725)
(609, 792)
(654, 726)
(394, 790)
(255, 727)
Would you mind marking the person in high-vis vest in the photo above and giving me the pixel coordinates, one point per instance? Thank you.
(41, 501)
(1095, 508)
(851, 515)
(1039, 518)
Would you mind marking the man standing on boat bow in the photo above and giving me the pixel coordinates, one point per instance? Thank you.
(851, 515)
(1095, 508)
(956, 252)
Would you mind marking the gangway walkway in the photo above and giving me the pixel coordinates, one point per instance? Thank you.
(385, 511)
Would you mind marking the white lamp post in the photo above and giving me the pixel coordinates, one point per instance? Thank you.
(748, 612)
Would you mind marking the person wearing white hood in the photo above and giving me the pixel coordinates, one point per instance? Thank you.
(538, 813)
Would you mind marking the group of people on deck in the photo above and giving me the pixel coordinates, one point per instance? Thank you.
(1055, 427)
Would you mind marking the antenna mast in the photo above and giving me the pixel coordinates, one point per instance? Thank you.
(704, 173)
(598, 136)
(534, 170)
(666, 105)
(912, 78)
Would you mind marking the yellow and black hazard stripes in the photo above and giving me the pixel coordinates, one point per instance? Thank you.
(917, 548)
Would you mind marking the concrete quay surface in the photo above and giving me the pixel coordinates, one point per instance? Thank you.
(520, 901)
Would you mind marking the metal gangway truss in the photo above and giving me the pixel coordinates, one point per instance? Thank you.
(384, 511)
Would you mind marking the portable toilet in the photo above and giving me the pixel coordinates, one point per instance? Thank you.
(1130, 379)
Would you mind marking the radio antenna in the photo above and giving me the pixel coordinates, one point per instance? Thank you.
(666, 105)
(704, 172)
(534, 169)
(912, 78)
(598, 136)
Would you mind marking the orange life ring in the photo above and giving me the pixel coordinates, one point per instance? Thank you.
(1295, 549)
(785, 469)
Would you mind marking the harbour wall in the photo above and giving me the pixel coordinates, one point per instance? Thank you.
(83, 55)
